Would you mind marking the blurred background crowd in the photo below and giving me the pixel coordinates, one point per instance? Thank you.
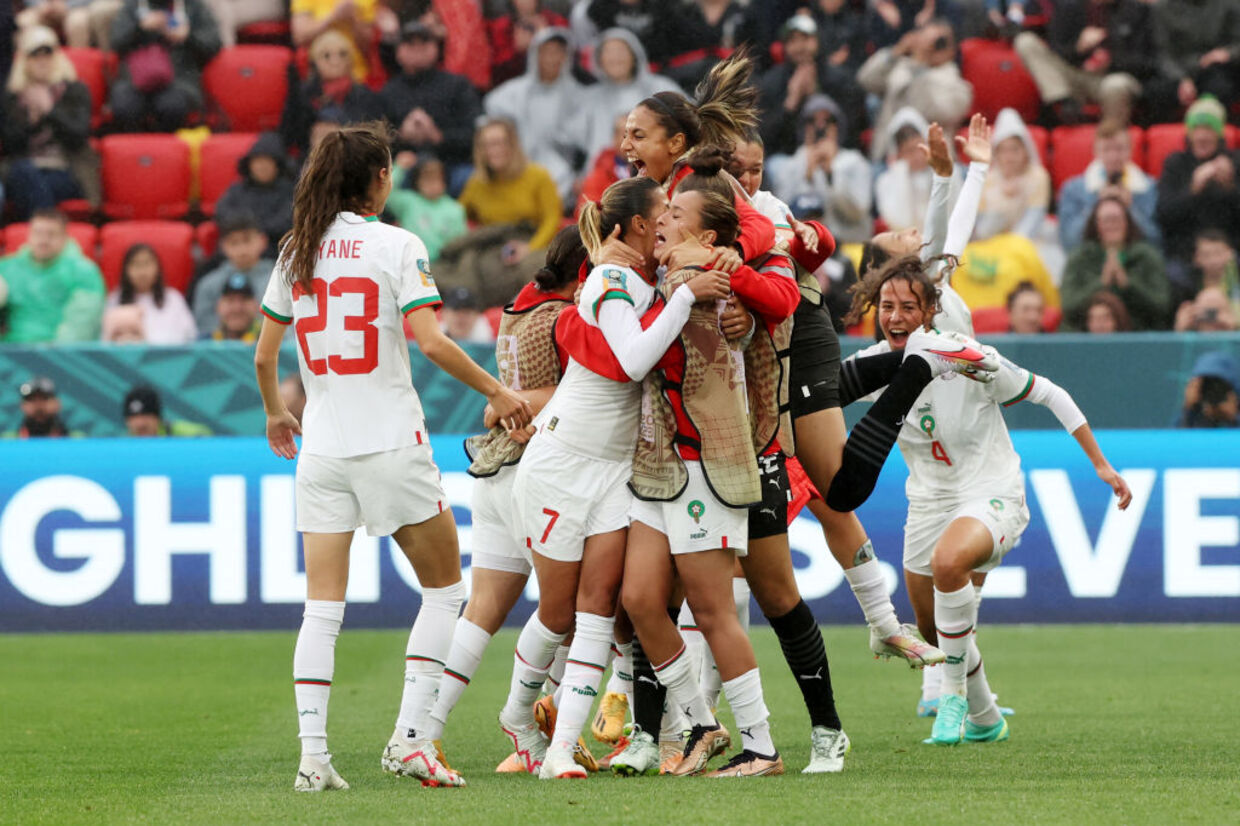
(149, 148)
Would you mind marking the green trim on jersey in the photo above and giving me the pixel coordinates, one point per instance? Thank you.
(417, 304)
(1022, 394)
(370, 219)
(276, 317)
(611, 294)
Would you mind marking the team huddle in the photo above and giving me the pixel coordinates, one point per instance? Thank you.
(670, 395)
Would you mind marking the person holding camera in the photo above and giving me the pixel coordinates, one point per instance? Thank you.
(1111, 173)
(1210, 398)
(1114, 257)
(919, 71)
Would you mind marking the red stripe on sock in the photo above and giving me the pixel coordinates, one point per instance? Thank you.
(421, 659)
(517, 654)
(460, 677)
(975, 670)
(955, 635)
(312, 682)
(586, 664)
(674, 658)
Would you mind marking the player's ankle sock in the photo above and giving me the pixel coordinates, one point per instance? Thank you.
(870, 589)
(314, 662)
(469, 643)
(931, 683)
(531, 660)
(862, 376)
(801, 641)
(587, 660)
(621, 679)
(983, 710)
(680, 676)
(430, 640)
(744, 695)
(649, 695)
(954, 613)
(872, 438)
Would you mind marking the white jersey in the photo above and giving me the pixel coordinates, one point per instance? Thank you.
(775, 210)
(591, 415)
(954, 439)
(351, 344)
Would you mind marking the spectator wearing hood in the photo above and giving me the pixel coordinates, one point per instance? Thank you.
(1198, 188)
(1198, 46)
(512, 32)
(545, 106)
(902, 190)
(624, 80)
(54, 292)
(1110, 174)
(838, 179)
(163, 47)
(1210, 396)
(785, 88)
(433, 110)
(265, 190)
(45, 126)
(330, 86)
(1017, 192)
(920, 71)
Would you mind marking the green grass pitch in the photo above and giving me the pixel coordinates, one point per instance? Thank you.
(1113, 725)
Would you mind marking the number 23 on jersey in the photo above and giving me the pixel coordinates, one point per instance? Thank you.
(323, 293)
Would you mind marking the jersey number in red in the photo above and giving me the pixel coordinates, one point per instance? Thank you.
(364, 324)
(550, 524)
(937, 451)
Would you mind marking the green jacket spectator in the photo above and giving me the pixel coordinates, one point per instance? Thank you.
(427, 210)
(1113, 258)
(55, 293)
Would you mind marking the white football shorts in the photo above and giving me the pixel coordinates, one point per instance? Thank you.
(383, 491)
(494, 535)
(559, 498)
(695, 521)
(1005, 518)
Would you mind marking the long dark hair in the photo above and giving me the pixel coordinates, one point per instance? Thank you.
(337, 177)
(910, 268)
(727, 105)
(621, 202)
(565, 255)
(157, 289)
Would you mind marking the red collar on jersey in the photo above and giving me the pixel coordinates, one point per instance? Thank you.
(530, 297)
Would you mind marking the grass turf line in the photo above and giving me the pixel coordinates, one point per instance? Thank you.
(1113, 724)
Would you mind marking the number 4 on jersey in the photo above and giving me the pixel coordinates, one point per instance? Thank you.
(937, 451)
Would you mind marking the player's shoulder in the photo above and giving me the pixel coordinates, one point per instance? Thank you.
(875, 349)
(771, 207)
(607, 277)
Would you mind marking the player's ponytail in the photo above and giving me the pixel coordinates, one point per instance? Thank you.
(621, 202)
(727, 102)
(565, 255)
(337, 177)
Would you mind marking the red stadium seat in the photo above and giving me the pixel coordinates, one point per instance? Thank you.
(988, 320)
(172, 241)
(217, 168)
(207, 234)
(265, 31)
(1167, 138)
(145, 177)
(999, 79)
(247, 86)
(1072, 148)
(94, 69)
(86, 235)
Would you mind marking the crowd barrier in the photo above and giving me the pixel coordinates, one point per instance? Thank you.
(1127, 381)
(116, 534)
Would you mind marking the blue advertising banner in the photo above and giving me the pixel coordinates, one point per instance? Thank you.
(111, 534)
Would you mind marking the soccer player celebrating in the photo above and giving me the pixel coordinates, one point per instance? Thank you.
(570, 496)
(344, 281)
(530, 363)
(965, 489)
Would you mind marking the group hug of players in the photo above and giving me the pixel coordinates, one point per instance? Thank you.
(669, 396)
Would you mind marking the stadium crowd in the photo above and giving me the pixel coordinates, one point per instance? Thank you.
(1113, 204)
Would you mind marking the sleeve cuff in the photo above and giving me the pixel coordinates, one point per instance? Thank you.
(276, 317)
(419, 303)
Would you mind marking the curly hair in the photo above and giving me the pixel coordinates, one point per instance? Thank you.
(909, 268)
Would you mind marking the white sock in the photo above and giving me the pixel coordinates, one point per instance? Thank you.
(954, 616)
(531, 660)
(870, 589)
(314, 662)
(695, 644)
(430, 640)
(583, 671)
(709, 679)
(931, 682)
(469, 642)
(740, 596)
(621, 679)
(983, 710)
(684, 693)
(673, 722)
(744, 695)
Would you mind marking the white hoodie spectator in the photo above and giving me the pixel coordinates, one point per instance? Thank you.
(1018, 189)
(624, 80)
(902, 190)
